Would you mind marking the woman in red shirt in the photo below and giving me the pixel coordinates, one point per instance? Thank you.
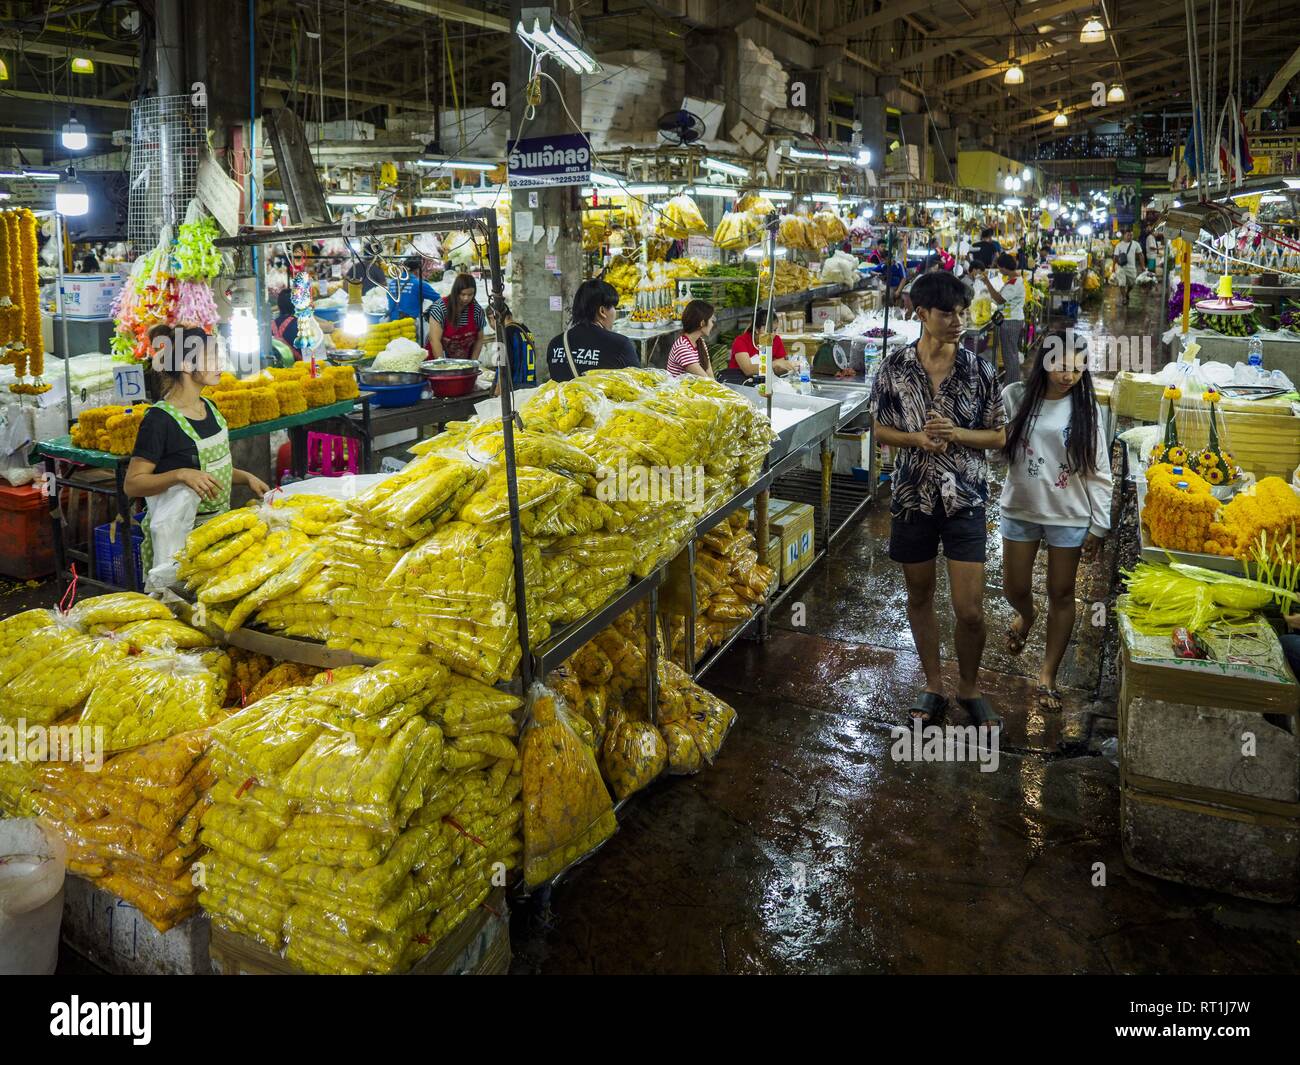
(744, 353)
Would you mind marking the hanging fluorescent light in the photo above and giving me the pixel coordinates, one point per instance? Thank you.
(73, 134)
(1060, 120)
(1273, 197)
(483, 165)
(825, 197)
(449, 205)
(70, 197)
(244, 339)
(28, 175)
(649, 190)
(1011, 201)
(718, 166)
(1015, 74)
(726, 191)
(819, 157)
(777, 196)
(1093, 32)
(1115, 95)
(551, 35)
(759, 251)
(351, 199)
(81, 65)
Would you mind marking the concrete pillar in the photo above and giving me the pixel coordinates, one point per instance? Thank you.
(915, 130)
(533, 282)
(712, 72)
(945, 155)
(870, 111)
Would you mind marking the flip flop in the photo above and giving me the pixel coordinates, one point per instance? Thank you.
(980, 711)
(928, 707)
(1047, 695)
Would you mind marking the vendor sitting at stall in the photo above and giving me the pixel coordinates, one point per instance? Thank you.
(690, 353)
(408, 293)
(456, 324)
(183, 438)
(744, 353)
(590, 342)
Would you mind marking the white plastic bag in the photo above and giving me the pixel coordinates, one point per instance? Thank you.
(171, 520)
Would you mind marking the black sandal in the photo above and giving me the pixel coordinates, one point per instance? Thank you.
(928, 708)
(980, 711)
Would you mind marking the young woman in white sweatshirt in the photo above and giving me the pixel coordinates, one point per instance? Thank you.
(1058, 489)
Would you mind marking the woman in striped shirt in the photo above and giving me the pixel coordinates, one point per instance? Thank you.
(689, 353)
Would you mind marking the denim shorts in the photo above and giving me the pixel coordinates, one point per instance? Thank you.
(962, 533)
(1031, 532)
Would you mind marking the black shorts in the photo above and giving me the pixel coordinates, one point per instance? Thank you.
(964, 534)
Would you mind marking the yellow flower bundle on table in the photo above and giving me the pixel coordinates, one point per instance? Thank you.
(123, 428)
(264, 405)
(1179, 510)
(1262, 521)
(318, 391)
(344, 379)
(289, 396)
(235, 405)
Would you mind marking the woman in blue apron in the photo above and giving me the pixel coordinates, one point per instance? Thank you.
(183, 438)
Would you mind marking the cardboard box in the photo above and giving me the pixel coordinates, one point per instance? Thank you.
(90, 296)
(826, 311)
(772, 560)
(793, 522)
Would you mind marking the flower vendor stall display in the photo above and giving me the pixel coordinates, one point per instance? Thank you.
(21, 345)
(1225, 313)
(1174, 310)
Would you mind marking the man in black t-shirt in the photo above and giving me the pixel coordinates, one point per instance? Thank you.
(591, 345)
(985, 250)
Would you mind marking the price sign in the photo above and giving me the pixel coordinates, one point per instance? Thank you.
(128, 384)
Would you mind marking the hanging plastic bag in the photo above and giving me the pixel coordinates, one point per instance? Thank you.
(567, 810)
(171, 519)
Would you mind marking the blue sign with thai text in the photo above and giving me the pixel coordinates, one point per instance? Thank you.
(544, 162)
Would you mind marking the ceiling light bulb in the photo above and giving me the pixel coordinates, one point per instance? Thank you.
(73, 135)
(1015, 75)
(70, 197)
(1093, 32)
(1116, 94)
(1060, 120)
(81, 65)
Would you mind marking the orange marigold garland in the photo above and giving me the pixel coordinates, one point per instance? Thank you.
(26, 350)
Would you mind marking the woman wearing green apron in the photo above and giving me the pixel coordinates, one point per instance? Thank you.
(183, 438)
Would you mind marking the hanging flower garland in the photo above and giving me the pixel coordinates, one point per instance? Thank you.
(24, 348)
(8, 260)
(310, 336)
(171, 285)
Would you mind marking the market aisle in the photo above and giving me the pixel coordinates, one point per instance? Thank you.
(807, 848)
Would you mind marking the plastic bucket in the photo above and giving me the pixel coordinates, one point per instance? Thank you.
(32, 865)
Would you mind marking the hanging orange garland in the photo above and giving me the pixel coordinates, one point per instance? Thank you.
(9, 254)
(26, 351)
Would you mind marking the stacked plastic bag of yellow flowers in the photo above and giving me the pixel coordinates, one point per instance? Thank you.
(359, 819)
(679, 218)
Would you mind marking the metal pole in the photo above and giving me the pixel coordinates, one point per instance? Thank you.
(63, 318)
(506, 381)
(771, 302)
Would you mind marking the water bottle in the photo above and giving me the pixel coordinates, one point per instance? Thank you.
(805, 376)
(1255, 353)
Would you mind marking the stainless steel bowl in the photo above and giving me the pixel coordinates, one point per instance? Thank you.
(449, 367)
(389, 377)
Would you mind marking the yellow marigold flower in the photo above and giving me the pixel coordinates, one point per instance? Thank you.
(1211, 395)
(1172, 392)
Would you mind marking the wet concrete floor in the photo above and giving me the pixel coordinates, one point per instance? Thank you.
(808, 849)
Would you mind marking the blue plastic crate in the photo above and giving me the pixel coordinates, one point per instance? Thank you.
(108, 554)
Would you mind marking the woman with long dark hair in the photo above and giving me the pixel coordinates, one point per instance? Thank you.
(689, 353)
(456, 324)
(1058, 489)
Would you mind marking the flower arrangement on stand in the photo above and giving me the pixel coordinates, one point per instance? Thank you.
(1170, 450)
(20, 310)
(1214, 462)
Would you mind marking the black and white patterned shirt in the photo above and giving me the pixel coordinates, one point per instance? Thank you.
(901, 399)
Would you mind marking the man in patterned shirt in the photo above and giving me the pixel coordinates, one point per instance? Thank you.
(937, 406)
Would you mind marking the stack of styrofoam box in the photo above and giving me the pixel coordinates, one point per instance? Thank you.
(762, 82)
(622, 103)
(477, 132)
(341, 130)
